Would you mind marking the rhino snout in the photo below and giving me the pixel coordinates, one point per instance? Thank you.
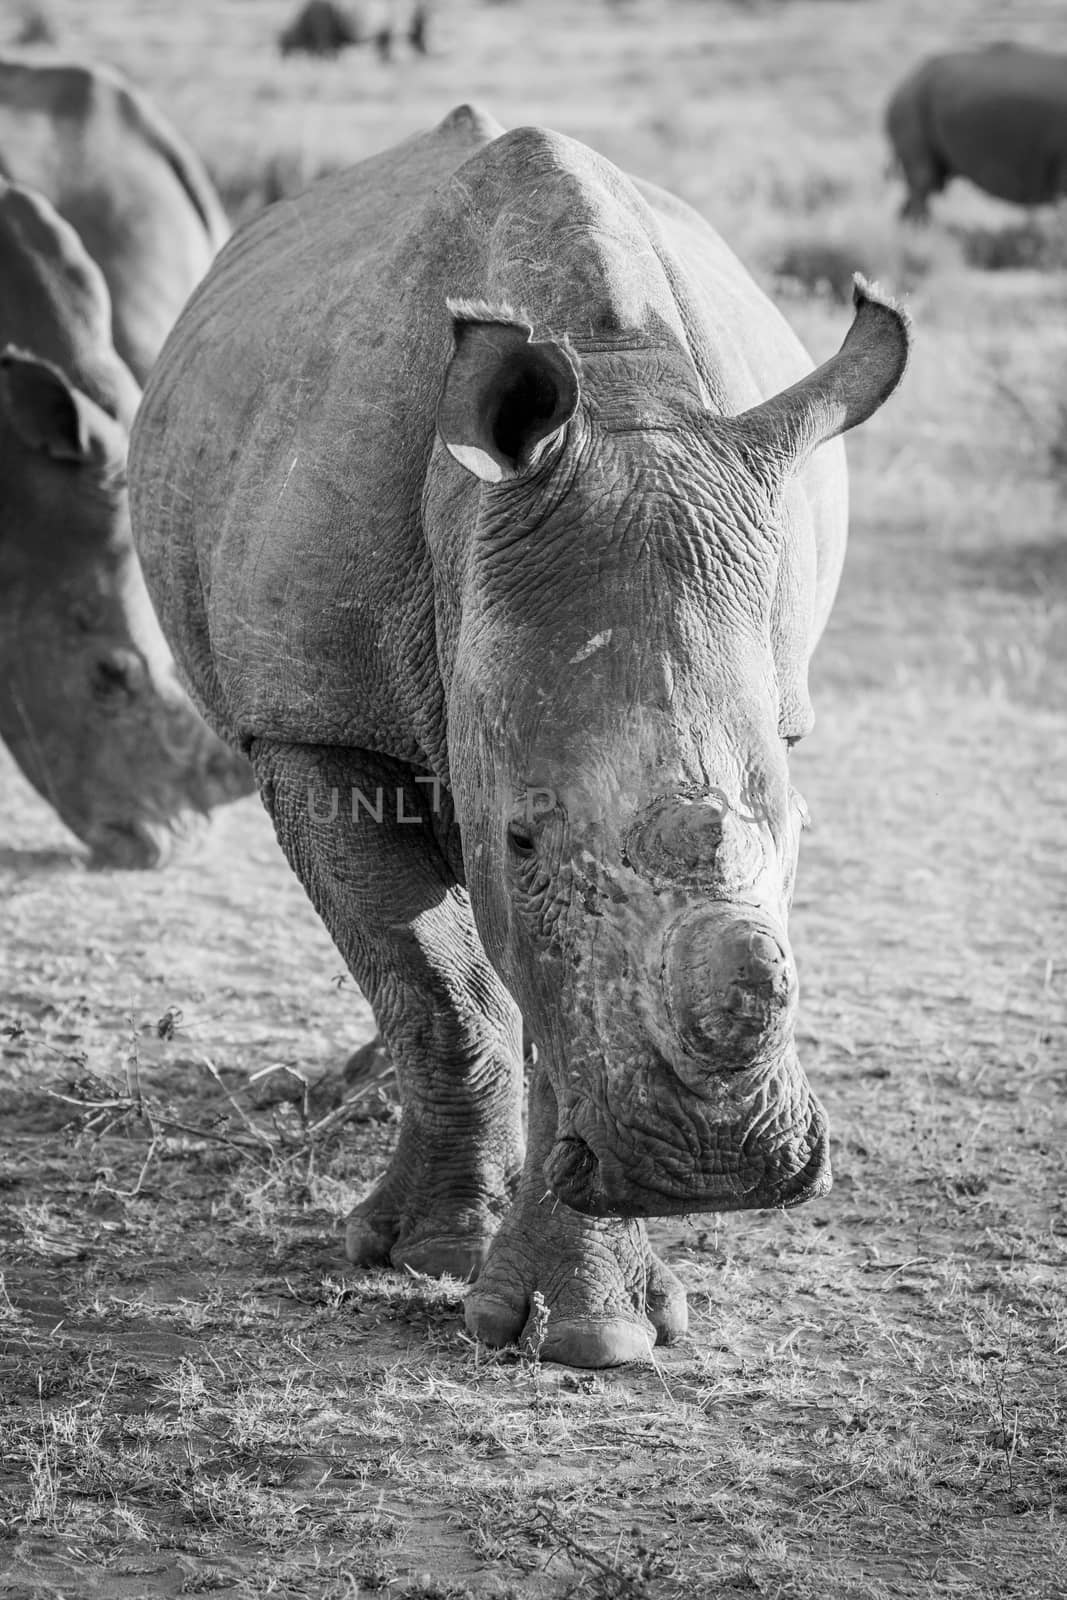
(731, 986)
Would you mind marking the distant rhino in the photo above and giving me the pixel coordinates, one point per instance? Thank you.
(997, 116)
(481, 495)
(322, 28)
(90, 705)
(138, 196)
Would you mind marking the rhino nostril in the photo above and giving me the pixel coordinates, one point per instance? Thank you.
(731, 986)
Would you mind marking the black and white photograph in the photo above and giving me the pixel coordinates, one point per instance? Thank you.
(533, 799)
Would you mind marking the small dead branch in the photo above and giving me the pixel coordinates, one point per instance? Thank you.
(1004, 1434)
(619, 1583)
(256, 1133)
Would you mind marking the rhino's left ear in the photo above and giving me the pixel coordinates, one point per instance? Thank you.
(843, 392)
(44, 408)
(505, 400)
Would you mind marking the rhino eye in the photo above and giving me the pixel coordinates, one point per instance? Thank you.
(521, 840)
(117, 676)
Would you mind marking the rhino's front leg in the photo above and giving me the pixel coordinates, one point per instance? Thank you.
(384, 889)
(609, 1299)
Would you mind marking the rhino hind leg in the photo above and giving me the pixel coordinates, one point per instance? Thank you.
(396, 913)
(608, 1298)
(925, 175)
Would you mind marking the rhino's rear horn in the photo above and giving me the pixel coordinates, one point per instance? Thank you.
(843, 392)
(504, 399)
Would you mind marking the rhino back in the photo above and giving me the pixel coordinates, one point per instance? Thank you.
(999, 116)
(114, 168)
(289, 424)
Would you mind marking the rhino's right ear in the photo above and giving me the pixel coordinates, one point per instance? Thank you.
(840, 394)
(47, 412)
(505, 400)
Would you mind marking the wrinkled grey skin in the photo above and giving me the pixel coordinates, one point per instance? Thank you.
(90, 705)
(137, 195)
(498, 489)
(997, 116)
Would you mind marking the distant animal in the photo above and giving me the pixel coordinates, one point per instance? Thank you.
(323, 28)
(997, 116)
(137, 195)
(320, 28)
(90, 704)
(36, 27)
(480, 493)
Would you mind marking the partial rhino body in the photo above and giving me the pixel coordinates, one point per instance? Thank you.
(476, 492)
(90, 704)
(138, 196)
(997, 116)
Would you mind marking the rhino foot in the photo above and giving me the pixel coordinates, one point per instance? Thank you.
(608, 1298)
(434, 1221)
(371, 1240)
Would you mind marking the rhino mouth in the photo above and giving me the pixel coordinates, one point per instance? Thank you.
(130, 846)
(605, 1185)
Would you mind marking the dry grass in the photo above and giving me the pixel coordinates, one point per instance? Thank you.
(197, 1394)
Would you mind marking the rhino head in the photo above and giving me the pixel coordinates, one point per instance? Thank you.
(90, 704)
(627, 602)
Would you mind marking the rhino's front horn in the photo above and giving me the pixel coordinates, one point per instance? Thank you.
(731, 987)
(696, 843)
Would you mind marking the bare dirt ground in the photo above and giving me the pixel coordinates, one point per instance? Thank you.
(196, 1394)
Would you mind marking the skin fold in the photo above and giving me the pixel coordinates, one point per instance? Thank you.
(500, 538)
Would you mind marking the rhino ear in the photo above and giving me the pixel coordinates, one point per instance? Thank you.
(505, 400)
(46, 411)
(843, 392)
(52, 415)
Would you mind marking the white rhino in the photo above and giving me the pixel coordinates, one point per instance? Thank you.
(997, 116)
(90, 705)
(480, 494)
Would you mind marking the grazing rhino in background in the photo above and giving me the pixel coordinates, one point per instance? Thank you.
(112, 166)
(322, 28)
(90, 704)
(479, 494)
(997, 116)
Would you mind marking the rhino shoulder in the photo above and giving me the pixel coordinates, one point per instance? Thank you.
(147, 122)
(142, 120)
(83, 96)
